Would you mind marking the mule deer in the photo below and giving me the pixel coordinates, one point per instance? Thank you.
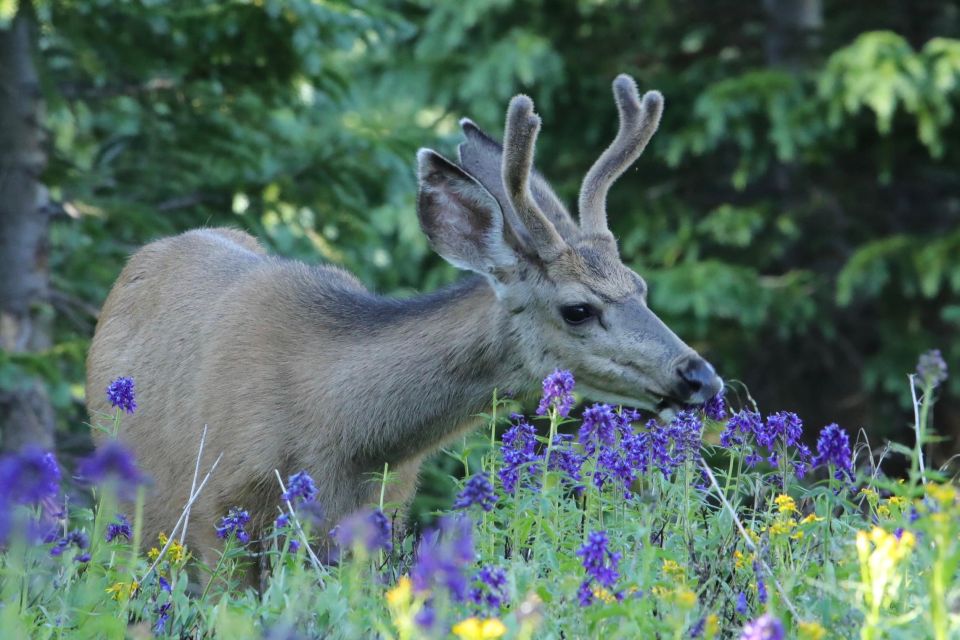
(300, 367)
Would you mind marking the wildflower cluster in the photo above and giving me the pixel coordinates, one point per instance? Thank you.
(600, 565)
(769, 440)
(594, 530)
(369, 529)
(519, 453)
(233, 525)
(557, 393)
(444, 555)
(120, 394)
(477, 491)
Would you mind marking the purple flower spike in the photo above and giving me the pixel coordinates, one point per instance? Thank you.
(598, 561)
(30, 476)
(442, 557)
(112, 464)
(370, 528)
(716, 407)
(490, 590)
(741, 606)
(833, 447)
(300, 488)
(599, 428)
(931, 369)
(766, 627)
(75, 538)
(479, 491)
(119, 529)
(557, 392)
(519, 453)
(233, 524)
(121, 394)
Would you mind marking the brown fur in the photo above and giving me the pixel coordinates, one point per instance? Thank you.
(293, 367)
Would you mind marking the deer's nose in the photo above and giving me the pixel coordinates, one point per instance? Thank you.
(698, 380)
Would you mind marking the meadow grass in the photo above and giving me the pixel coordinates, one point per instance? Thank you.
(719, 523)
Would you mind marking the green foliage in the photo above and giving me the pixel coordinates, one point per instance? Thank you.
(789, 211)
(697, 555)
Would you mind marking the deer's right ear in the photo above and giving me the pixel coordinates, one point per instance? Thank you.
(461, 218)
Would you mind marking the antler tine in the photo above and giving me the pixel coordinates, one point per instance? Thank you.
(638, 122)
(518, 144)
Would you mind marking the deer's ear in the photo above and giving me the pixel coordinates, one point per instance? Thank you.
(461, 218)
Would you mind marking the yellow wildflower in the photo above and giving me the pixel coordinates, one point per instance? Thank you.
(713, 625)
(741, 560)
(673, 569)
(942, 493)
(897, 501)
(797, 536)
(685, 598)
(123, 590)
(176, 553)
(870, 495)
(883, 511)
(401, 592)
(785, 504)
(811, 518)
(782, 527)
(603, 595)
(810, 631)
(476, 629)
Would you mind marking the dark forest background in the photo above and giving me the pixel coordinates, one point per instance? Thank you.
(797, 216)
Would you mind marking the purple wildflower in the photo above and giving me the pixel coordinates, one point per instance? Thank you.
(490, 587)
(782, 424)
(282, 521)
(165, 585)
(427, 616)
(585, 594)
(599, 428)
(931, 369)
(369, 528)
(833, 447)
(519, 454)
(716, 407)
(685, 429)
(163, 615)
(442, 556)
(300, 488)
(233, 524)
(761, 584)
(119, 529)
(600, 565)
(698, 627)
(741, 424)
(112, 464)
(121, 394)
(30, 476)
(564, 458)
(741, 606)
(75, 538)
(477, 490)
(558, 393)
(766, 627)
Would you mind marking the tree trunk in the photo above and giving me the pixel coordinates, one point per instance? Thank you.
(25, 411)
(793, 32)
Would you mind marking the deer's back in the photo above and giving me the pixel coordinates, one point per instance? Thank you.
(205, 323)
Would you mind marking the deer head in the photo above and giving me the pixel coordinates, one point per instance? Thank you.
(570, 300)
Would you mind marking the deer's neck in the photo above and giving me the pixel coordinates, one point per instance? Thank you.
(418, 370)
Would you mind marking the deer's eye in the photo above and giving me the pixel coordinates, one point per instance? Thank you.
(577, 313)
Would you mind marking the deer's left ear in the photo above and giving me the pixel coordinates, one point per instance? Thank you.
(461, 218)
